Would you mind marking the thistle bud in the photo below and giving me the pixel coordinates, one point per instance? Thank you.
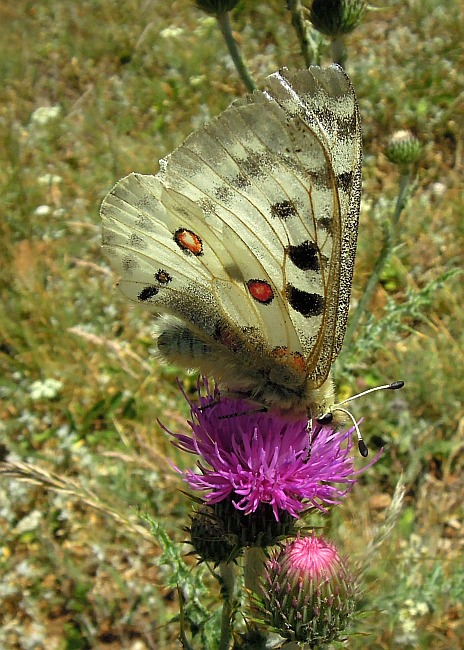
(219, 532)
(209, 538)
(403, 148)
(336, 17)
(215, 7)
(309, 595)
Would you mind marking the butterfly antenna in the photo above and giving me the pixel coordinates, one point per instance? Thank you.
(328, 417)
(393, 386)
(363, 450)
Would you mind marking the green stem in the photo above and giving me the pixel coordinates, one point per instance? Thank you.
(339, 53)
(234, 51)
(227, 571)
(254, 560)
(308, 46)
(253, 568)
(405, 181)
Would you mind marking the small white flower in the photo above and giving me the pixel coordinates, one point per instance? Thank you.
(49, 179)
(138, 645)
(104, 380)
(42, 210)
(98, 551)
(45, 114)
(26, 569)
(47, 389)
(205, 25)
(63, 432)
(437, 190)
(197, 80)
(207, 21)
(171, 32)
(422, 608)
(110, 310)
(5, 392)
(28, 419)
(35, 637)
(29, 522)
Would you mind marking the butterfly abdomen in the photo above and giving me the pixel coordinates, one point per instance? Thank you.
(176, 342)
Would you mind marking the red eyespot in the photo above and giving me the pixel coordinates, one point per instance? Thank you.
(261, 291)
(188, 241)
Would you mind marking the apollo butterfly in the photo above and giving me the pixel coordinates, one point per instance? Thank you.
(243, 244)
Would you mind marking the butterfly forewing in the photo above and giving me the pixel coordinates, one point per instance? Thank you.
(326, 104)
(247, 235)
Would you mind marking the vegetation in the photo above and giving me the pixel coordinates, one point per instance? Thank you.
(93, 90)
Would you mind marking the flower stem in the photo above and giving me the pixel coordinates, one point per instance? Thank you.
(339, 54)
(405, 181)
(309, 49)
(234, 51)
(227, 572)
(253, 568)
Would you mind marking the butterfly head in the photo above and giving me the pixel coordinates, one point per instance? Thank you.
(338, 410)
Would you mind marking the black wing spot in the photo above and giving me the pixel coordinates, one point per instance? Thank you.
(348, 125)
(163, 276)
(207, 206)
(143, 202)
(252, 166)
(147, 293)
(145, 223)
(283, 210)
(306, 304)
(325, 223)
(321, 178)
(108, 236)
(345, 181)
(305, 256)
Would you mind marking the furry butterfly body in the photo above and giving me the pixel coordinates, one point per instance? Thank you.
(243, 244)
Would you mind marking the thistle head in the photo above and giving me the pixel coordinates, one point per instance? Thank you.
(336, 17)
(258, 472)
(215, 7)
(403, 148)
(309, 594)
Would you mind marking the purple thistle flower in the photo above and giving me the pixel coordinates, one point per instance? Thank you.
(254, 457)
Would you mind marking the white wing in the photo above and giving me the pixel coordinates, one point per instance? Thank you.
(266, 199)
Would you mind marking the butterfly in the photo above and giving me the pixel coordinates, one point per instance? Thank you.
(243, 244)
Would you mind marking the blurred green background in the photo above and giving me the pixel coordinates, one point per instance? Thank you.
(93, 90)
